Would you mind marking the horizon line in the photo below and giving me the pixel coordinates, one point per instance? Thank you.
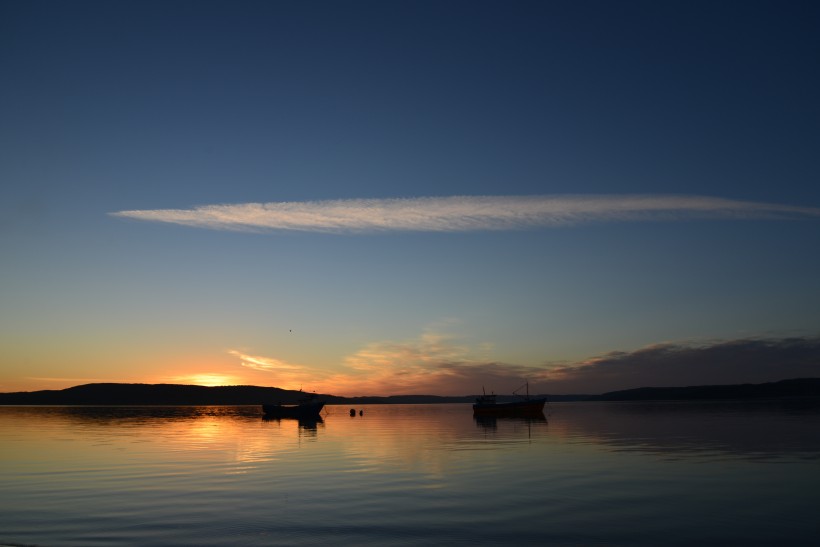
(405, 394)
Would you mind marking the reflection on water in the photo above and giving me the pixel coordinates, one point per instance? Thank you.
(586, 473)
(307, 425)
(742, 429)
(516, 423)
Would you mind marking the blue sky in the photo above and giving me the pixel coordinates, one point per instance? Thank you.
(571, 108)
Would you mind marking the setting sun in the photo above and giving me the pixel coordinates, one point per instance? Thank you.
(210, 380)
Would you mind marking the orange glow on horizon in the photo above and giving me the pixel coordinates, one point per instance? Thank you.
(212, 379)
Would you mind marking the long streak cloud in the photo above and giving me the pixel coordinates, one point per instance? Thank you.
(463, 213)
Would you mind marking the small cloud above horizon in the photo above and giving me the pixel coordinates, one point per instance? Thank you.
(462, 213)
(265, 364)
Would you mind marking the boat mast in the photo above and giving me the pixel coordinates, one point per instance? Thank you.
(527, 386)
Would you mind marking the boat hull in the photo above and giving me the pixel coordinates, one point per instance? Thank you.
(532, 407)
(311, 410)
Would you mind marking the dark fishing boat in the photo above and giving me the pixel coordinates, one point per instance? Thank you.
(307, 407)
(486, 405)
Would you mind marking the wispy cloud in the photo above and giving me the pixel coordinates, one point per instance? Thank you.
(462, 213)
(281, 373)
(437, 362)
(265, 364)
(427, 364)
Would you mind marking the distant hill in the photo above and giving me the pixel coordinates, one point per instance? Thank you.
(798, 387)
(150, 394)
(176, 394)
(179, 394)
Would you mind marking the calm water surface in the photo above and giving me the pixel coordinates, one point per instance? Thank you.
(589, 474)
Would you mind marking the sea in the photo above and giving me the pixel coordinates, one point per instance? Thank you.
(587, 473)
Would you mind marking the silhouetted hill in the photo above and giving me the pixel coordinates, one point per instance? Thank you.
(798, 387)
(175, 394)
(151, 394)
(178, 394)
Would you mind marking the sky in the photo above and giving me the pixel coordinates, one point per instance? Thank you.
(406, 197)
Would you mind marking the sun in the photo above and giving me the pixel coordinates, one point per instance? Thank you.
(211, 379)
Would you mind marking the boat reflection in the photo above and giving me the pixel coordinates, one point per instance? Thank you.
(309, 424)
(491, 422)
(511, 428)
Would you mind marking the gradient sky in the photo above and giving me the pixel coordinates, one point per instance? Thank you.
(367, 198)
